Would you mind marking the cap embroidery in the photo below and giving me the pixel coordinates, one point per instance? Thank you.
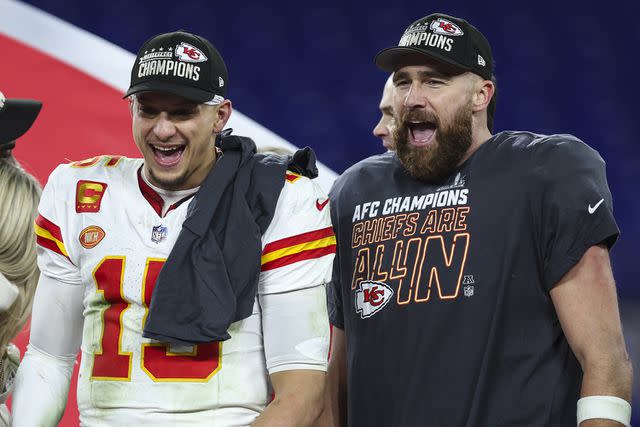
(182, 64)
(188, 53)
(427, 39)
(445, 27)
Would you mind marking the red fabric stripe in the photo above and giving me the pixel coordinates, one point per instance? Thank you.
(50, 244)
(297, 239)
(300, 256)
(50, 227)
(154, 199)
(151, 196)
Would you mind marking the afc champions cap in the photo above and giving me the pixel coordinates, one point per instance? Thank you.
(16, 117)
(443, 38)
(182, 64)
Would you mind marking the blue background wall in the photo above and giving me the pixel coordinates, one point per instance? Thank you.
(305, 70)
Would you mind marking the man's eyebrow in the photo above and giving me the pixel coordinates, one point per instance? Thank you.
(399, 75)
(187, 104)
(434, 74)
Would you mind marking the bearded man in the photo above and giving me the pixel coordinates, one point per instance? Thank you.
(472, 284)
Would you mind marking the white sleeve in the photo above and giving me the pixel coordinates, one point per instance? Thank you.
(296, 329)
(5, 417)
(57, 319)
(43, 378)
(299, 245)
(41, 389)
(54, 231)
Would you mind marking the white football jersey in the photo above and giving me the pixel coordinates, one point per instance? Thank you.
(100, 227)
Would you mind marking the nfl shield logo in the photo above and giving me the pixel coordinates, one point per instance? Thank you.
(159, 233)
(468, 291)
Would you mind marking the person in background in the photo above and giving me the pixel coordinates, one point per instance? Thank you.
(384, 128)
(19, 197)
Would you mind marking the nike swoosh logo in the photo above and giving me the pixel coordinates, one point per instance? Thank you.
(321, 205)
(593, 209)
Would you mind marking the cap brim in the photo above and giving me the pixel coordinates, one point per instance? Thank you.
(392, 58)
(16, 117)
(190, 93)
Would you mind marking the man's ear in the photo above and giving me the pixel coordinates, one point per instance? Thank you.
(131, 100)
(223, 112)
(483, 91)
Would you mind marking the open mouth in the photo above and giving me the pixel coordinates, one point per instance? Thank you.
(168, 155)
(421, 133)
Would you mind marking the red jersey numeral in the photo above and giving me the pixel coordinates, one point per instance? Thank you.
(111, 363)
(161, 364)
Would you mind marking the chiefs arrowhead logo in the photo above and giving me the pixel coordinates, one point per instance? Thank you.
(371, 297)
(188, 53)
(445, 27)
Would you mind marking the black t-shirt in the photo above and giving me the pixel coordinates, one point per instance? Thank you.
(443, 290)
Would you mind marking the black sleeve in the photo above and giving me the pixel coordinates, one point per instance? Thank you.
(571, 204)
(334, 294)
(334, 290)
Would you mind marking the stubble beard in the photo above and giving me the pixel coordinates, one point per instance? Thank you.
(170, 184)
(438, 160)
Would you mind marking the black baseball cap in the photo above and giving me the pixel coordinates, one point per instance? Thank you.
(16, 117)
(182, 64)
(444, 38)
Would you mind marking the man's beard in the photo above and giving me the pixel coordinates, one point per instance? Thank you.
(171, 184)
(440, 158)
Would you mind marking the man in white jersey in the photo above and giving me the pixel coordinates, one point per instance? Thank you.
(106, 227)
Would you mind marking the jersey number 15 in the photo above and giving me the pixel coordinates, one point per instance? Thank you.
(156, 359)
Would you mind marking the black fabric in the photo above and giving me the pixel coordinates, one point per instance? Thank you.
(180, 63)
(443, 290)
(211, 276)
(16, 117)
(444, 38)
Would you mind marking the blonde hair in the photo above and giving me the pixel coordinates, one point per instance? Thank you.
(19, 197)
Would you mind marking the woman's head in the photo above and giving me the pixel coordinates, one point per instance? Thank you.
(19, 197)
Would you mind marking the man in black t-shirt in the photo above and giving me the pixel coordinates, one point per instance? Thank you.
(472, 283)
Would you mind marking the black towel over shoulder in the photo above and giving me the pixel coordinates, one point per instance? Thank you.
(211, 277)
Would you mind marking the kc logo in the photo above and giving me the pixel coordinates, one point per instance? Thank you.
(374, 296)
(188, 53)
(371, 297)
(445, 27)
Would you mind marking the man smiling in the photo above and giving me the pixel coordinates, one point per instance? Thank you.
(106, 227)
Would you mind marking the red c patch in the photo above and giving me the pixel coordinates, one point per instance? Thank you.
(91, 236)
(89, 196)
